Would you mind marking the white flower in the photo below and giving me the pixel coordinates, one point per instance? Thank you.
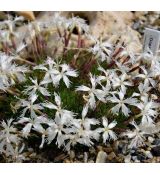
(102, 50)
(43, 132)
(58, 128)
(58, 107)
(108, 134)
(10, 23)
(108, 75)
(136, 135)
(8, 131)
(65, 72)
(59, 20)
(29, 105)
(5, 36)
(48, 67)
(155, 67)
(92, 92)
(121, 81)
(121, 103)
(73, 139)
(148, 111)
(146, 56)
(16, 154)
(82, 127)
(81, 132)
(8, 137)
(31, 90)
(56, 71)
(85, 122)
(9, 71)
(147, 76)
(77, 22)
(143, 89)
(31, 122)
(122, 67)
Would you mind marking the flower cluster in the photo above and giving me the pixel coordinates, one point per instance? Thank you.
(118, 85)
(10, 71)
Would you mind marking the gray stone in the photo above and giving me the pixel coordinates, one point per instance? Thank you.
(156, 151)
(101, 157)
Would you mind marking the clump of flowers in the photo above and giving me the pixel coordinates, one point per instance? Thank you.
(63, 105)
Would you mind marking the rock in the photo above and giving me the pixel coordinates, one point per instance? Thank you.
(85, 158)
(108, 150)
(110, 25)
(122, 147)
(90, 161)
(60, 157)
(92, 150)
(80, 156)
(150, 139)
(67, 161)
(111, 156)
(149, 154)
(101, 157)
(141, 157)
(139, 14)
(3, 16)
(156, 151)
(156, 142)
(127, 158)
(137, 161)
(72, 155)
(158, 159)
(29, 15)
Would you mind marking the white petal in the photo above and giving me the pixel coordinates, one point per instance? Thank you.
(112, 125)
(105, 137)
(112, 135)
(125, 110)
(93, 80)
(23, 120)
(92, 101)
(121, 95)
(44, 91)
(66, 81)
(105, 122)
(116, 109)
(84, 111)
(82, 88)
(57, 99)
(60, 140)
(56, 79)
(33, 98)
(51, 134)
(38, 128)
(27, 129)
(50, 105)
(42, 142)
(72, 73)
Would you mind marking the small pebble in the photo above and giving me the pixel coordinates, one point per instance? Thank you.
(85, 158)
(111, 156)
(156, 151)
(101, 157)
(149, 154)
(127, 158)
(151, 139)
(156, 142)
(72, 155)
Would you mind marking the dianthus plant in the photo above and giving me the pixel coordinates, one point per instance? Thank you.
(81, 96)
